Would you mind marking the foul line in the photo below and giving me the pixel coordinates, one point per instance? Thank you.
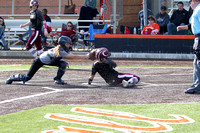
(31, 96)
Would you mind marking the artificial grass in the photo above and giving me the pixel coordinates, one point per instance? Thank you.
(32, 121)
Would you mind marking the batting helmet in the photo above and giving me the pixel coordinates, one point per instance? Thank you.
(34, 2)
(102, 53)
(62, 40)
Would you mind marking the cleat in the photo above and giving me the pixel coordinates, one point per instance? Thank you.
(192, 91)
(125, 83)
(60, 82)
(8, 81)
(18, 77)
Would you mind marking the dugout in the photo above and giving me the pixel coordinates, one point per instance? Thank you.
(127, 43)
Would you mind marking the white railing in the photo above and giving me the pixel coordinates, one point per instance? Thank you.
(56, 23)
(13, 26)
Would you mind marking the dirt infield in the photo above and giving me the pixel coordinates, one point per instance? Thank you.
(165, 84)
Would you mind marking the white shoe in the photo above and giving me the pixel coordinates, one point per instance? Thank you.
(125, 83)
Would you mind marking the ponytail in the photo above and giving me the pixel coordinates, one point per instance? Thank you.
(56, 50)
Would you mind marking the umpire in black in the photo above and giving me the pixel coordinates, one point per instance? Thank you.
(195, 26)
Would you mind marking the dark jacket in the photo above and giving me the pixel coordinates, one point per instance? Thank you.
(162, 19)
(179, 17)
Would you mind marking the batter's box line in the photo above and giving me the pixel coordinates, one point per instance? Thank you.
(32, 96)
(167, 84)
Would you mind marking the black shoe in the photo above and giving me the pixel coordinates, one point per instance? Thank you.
(9, 81)
(192, 91)
(6, 49)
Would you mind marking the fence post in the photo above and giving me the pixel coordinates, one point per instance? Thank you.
(114, 17)
(59, 10)
(13, 6)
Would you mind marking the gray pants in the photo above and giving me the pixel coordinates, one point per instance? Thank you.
(196, 74)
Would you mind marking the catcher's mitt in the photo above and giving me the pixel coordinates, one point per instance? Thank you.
(92, 55)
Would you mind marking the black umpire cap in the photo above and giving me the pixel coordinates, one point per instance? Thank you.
(163, 8)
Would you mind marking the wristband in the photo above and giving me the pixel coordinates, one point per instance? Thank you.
(45, 25)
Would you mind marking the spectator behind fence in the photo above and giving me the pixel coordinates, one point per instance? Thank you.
(90, 3)
(179, 17)
(141, 16)
(162, 19)
(152, 28)
(48, 22)
(2, 39)
(87, 12)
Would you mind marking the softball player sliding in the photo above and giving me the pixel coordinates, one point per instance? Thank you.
(37, 21)
(52, 57)
(105, 67)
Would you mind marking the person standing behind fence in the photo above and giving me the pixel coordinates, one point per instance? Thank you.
(37, 21)
(48, 22)
(87, 12)
(141, 16)
(90, 3)
(2, 39)
(195, 24)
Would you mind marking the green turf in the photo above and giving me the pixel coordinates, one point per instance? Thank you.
(33, 121)
(26, 67)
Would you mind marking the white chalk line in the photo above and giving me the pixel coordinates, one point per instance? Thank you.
(60, 90)
(167, 84)
(31, 96)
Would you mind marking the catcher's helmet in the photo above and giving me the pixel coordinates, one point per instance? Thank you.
(62, 40)
(34, 2)
(102, 53)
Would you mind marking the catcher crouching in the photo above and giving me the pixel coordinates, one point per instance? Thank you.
(52, 57)
(105, 67)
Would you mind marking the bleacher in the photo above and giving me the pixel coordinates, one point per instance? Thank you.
(13, 28)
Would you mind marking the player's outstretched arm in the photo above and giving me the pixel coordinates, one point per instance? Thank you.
(72, 56)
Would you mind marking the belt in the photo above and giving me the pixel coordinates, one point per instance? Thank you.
(197, 35)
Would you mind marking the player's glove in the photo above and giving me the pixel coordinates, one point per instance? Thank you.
(91, 55)
(89, 81)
